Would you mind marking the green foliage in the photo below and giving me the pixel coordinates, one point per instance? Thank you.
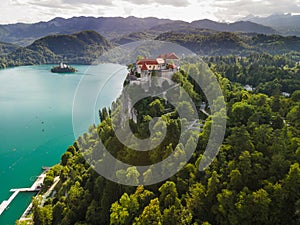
(294, 115)
(79, 48)
(269, 74)
(255, 179)
(225, 43)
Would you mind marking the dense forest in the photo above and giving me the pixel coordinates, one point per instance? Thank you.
(254, 180)
(79, 48)
(226, 43)
(266, 73)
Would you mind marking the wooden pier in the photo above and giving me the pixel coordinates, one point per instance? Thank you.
(36, 187)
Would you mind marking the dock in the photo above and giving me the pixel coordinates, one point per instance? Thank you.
(36, 187)
(6, 203)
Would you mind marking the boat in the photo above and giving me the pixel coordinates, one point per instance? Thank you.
(63, 68)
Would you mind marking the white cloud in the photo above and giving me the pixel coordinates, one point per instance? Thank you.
(68, 3)
(175, 3)
(90, 2)
(12, 11)
(241, 8)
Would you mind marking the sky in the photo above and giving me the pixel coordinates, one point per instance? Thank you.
(30, 11)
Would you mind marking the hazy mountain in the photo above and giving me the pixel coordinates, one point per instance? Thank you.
(79, 48)
(241, 26)
(156, 31)
(107, 26)
(286, 24)
(171, 26)
(114, 27)
(136, 36)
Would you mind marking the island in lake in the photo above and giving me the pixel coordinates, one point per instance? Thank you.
(63, 68)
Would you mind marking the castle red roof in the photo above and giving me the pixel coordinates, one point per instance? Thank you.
(147, 61)
(144, 67)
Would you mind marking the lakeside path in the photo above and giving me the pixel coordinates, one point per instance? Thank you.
(45, 196)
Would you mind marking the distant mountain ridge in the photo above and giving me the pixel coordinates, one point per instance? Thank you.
(113, 27)
(109, 27)
(87, 46)
(286, 24)
(240, 26)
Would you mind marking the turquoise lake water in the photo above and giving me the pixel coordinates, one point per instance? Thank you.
(36, 122)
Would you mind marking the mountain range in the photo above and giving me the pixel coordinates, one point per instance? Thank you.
(113, 27)
(285, 24)
(81, 40)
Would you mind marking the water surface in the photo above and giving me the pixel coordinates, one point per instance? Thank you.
(36, 122)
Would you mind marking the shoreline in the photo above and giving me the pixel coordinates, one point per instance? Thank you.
(34, 188)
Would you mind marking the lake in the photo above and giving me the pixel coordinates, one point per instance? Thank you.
(36, 122)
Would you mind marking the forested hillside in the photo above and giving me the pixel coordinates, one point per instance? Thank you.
(254, 180)
(266, 73)
(6, 48)
(224, 43)
(79, 48)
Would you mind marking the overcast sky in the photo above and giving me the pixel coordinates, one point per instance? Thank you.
(12, 11)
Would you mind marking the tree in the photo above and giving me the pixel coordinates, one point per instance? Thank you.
(196, 202)
(58, 212)
(241, 112)
(125, 210)
(41, 215)
(294, 115)
(151, 214)
(291, 192)
(168, 195)
(65, 157)
(227, 214)
(240, 139)
(48, 181)
(296, 96)
(236, 182)
(93, 213)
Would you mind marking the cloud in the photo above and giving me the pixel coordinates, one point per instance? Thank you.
(91, 2)
(175, 3)
(66, 3)
(239, 8)
(228, 10)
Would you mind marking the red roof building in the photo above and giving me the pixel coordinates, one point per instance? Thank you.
(144, 67)
(147, 61)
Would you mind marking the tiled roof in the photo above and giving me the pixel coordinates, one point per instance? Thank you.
(147, 61)
(144, 67)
